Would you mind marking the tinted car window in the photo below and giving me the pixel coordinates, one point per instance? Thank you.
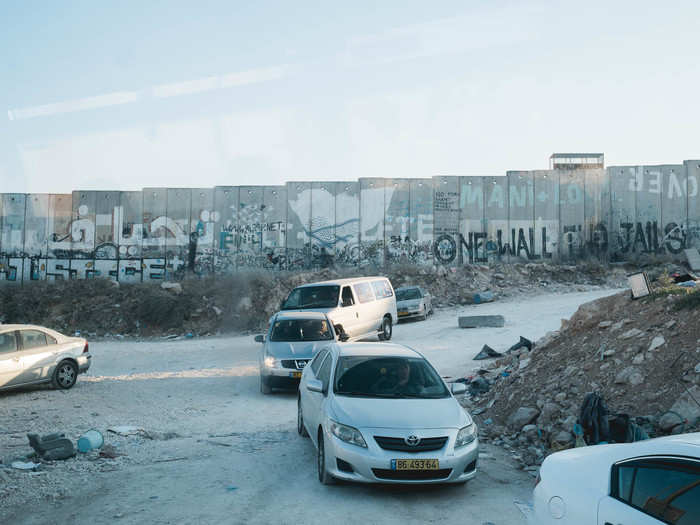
(301, 330)
(363, 292)
(370, 376)
(312, 297)
(8, 342)
(408, 294)
(32, 339)
(381, 289)
(347, 297)
(668, 489)
(324, 373)
(316, 363)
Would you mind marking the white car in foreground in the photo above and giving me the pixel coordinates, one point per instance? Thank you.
(380, 413)
(648, 482)
(33, 354)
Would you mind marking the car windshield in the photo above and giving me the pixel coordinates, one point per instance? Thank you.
(301, 330)
(312, 297)
(408, 294)
(370, 376)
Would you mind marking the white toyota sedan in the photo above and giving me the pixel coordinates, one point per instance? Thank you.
(33, 354)
(644, 483)
(380, 413)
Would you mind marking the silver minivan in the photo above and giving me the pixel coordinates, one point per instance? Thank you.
(358, 308)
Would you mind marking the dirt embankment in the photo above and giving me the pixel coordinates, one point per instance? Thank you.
(642, 357)
(245, 301)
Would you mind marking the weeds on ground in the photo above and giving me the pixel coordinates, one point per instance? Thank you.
(689, 301)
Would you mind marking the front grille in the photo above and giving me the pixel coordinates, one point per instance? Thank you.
(425, 445)
(411, 475)
(299, 364)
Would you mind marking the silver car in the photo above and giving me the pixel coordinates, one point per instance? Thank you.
(293, 338)
(380, 413)
(413, 301)
(33, 354)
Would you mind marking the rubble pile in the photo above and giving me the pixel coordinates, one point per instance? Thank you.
(641, 356)
(244, 301)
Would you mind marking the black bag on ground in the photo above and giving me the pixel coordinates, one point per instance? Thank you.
(594, 419)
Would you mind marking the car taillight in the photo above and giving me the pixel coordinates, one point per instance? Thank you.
(85, 348)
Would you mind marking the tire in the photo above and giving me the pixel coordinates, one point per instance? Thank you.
(323, 475)
(387, 329)
(65, 375)
(423, 317)
(301, 429)
(265, 387)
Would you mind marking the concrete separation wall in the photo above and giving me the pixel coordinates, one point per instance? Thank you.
(617, 213)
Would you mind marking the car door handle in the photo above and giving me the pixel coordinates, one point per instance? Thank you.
(357, 314)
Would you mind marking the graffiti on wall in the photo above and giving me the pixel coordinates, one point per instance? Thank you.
(617, 213)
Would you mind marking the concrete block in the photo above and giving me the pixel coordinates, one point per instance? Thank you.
(481, 321)
(693, 258)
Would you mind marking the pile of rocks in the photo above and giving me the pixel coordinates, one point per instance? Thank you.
(642, 357)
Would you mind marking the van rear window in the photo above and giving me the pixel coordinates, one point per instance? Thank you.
(363, 292)
(382, 289)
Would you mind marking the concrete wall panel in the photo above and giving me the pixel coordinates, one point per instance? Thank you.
(322, 229)
(498, 243)
(225, 229)
(546, 191)
(397, 222)
(128, 234)
(692, 191)
(372, 210)
(176, 226)
(623, 198)
(596, 211)
(155, 231)
(571, 215)
(421, 223)
(36, 238)
(347, 223)
(472, 234)
(12, 209)
(521, 215)
(673, 227)
(299, 208)
(447, 248)
(274, 228)
(249, 237)
(647, 229)
(200, 253)
(107, 226)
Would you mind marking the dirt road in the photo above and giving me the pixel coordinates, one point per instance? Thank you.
(216, 450)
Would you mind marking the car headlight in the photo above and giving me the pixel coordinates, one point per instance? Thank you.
(271, 362)
(348, 434)
(465, 435)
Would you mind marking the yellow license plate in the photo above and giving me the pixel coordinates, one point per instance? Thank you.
(402, 313)
(295, 375)
(415, 464)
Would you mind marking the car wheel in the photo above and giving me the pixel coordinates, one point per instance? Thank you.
(265, 387)
(423, 317)
(65, 375)
(323, 475)
(385, 334)
(301, 429)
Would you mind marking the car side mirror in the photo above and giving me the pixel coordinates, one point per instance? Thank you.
(259, 338)
(314, 385)
(458, 388)
(342, 336)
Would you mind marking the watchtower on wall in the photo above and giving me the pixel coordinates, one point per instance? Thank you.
(573, 161)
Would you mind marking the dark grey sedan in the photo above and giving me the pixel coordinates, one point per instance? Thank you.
(292, 340)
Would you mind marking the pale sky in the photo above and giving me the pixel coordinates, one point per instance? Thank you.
(131, 94)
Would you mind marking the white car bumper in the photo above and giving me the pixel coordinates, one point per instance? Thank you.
(374, 463)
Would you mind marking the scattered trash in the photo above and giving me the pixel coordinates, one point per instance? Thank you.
(688, 284)
(231, 488)
(479, 385)
(522, 343)
(488, 421)
(52, 446)
(189, 335)
(92, 439)
(486, 352)
(483, 297)
(481, 321)
(639, 285)
(21, 465)
(594, 419)
(110, 452)
(126, 430)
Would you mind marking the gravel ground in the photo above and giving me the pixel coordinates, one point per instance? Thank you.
(214, 448)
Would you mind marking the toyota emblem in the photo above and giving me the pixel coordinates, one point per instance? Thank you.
(412, 440)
